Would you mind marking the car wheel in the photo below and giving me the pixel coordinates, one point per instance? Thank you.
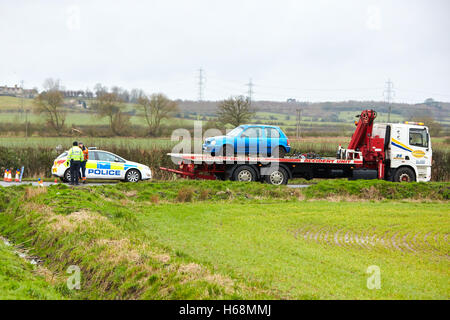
(132, 175)
(67, 176)
(404, 175)
(277, 177)
(244, 174)
(278, 152)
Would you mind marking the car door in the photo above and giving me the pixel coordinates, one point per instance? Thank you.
(109, 166)
(91, 165)
(272, 138)
(420, 143)
(251, 137)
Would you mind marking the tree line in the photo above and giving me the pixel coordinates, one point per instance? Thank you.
(110, 104)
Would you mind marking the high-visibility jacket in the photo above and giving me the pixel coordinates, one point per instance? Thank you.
(75, 154)
(86, 154)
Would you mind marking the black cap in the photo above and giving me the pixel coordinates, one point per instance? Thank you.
(75, 143)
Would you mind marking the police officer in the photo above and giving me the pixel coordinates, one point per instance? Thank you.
(75, 157)
(85, 159)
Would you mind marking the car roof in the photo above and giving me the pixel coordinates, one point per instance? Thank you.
(92, 150)
(259, 125)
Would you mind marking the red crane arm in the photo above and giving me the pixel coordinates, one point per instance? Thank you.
(361, 137)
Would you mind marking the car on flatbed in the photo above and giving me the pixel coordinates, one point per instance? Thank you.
(250, 139)
(103, 165)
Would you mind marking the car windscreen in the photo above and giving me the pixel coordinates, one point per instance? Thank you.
(235, 132)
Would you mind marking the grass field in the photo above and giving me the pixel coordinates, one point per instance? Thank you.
(76, 117)
(200, 239)
(314, 142)
(19, 280)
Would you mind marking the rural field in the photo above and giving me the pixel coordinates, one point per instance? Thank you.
(37, 154)
(228, 240)
(322, 119)
(175, 239)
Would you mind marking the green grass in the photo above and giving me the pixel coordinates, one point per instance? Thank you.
(11, 103)
(66, 142)
(258, 243)
(378, 189)
(19, 281)
(311, 143)
(215, 240)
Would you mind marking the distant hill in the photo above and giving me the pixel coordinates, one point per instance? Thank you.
(329, 111)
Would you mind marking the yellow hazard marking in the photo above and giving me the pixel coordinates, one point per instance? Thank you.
(91, 165)
(116, 166)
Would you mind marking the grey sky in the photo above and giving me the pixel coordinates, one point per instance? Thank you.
(309, 50)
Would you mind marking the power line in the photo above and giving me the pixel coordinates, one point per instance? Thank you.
(201, 82)
(298, 119)
(389, 94)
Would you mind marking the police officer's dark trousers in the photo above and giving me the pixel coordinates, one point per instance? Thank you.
(75, 171)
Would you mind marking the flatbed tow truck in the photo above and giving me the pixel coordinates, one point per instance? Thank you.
(398, 152)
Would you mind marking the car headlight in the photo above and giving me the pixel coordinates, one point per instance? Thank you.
(213, 143)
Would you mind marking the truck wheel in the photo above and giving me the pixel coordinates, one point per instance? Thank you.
(132, 176)
(277, 177)
(278, 152)
(404, 175)
(244, 174)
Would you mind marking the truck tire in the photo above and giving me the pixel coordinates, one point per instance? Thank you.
(244, 174)
(404, 175)
(278, 152)
(277, 177)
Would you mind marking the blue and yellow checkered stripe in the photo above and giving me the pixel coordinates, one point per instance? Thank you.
(109, 165)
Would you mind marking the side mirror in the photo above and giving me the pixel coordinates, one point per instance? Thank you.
(116, 160)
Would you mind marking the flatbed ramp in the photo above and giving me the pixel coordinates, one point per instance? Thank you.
(256, 168)
(200, 158)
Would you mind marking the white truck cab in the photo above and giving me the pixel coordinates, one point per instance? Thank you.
(408, 150)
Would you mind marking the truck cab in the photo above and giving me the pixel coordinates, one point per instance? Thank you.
(408, 150)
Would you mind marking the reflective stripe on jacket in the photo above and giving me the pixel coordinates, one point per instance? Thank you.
(75, 154)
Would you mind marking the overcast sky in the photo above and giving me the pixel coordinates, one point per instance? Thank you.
(308, 50)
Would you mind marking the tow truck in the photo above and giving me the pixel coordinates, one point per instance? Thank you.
(399, 152)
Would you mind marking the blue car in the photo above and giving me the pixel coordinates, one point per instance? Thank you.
(260, 140)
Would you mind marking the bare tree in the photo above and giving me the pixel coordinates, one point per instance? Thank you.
(51, 84)
(235, 111)
(50, 104)
(109, 104)
(135, 94)
(156, 108)
(99, 89)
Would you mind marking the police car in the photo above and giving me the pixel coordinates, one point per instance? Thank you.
(103, 165)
